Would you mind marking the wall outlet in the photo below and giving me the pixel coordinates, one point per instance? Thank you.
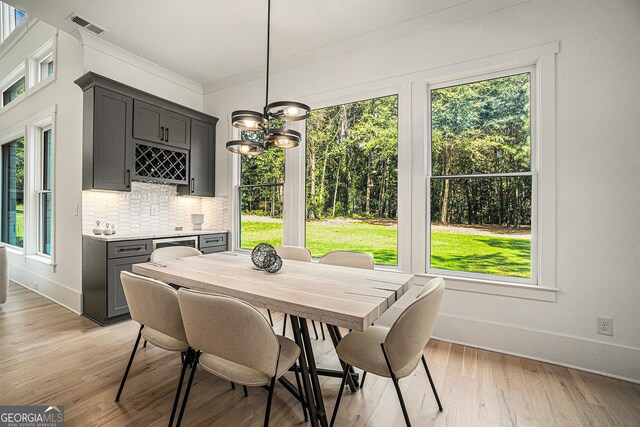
(604, 326)
(155, 210)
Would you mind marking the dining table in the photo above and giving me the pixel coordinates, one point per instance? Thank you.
(340, 297)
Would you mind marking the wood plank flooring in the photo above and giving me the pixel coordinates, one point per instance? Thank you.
(48, 355)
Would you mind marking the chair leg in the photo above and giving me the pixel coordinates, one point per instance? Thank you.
(126, 371)
(298, 383)
(269, 399)
(433, 386)
(315, 331)
(179, 390)
(246, 392)
(270, 318)
(342, 384)
(364, 375)
(322, 331)
(145, 344)
(284, 325)
(196, 357)
(233, 385)
(397, 387)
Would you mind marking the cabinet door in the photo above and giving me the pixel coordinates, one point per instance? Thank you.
(177, 130)
(148, 122)
(111, 141)
(202, 160)
(116, 301)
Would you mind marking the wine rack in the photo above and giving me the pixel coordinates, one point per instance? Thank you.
(160, 164)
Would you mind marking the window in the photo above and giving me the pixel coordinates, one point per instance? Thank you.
(12, 221)
(481, 184)
(45, 194)
(10, 19)
(42, 63)
(352, 179)
(261, 196)
(13, 91)
(46, 67)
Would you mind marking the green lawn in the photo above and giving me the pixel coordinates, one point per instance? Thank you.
(450, 251)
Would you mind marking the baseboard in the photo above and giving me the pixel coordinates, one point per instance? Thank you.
(611, 360)
(49, 289)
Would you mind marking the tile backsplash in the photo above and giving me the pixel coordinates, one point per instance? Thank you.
(151, 207)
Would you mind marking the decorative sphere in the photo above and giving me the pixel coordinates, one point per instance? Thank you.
(273, 263)
(259, 253)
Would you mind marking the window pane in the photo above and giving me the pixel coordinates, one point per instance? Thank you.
(482, 225)
(19, 16)
(352, 179)
(482, 127)
(14, 91)
(45, 238)
(266, 168)
(46, 68)
(261, 215)
(13, 193)
(47, 158)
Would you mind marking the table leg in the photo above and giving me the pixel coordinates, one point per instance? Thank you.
(336, 336)
(309, 370)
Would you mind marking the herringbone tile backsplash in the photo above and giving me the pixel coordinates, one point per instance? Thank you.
(131, 212)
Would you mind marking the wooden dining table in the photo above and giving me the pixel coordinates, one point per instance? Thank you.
(337, 296)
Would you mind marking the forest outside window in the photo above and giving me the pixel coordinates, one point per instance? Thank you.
(261, 196)
(482, 180)
(352, 179)
(12, 220)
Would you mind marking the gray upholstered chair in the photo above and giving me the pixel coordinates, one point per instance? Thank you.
(4, 275)
(296, 253)
(348, 259)
(173, 252)
(154, 305)
(394, 352)
(234, 341)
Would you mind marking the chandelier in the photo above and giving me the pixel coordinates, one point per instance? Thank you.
(254, 121)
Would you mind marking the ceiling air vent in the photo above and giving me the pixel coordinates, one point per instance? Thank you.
(84, 23)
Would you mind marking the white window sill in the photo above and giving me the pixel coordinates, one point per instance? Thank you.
(490, 287)
(13, 249)
(42, 259)
(28, 93)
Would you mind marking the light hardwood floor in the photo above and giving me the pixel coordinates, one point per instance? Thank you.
(49, 355)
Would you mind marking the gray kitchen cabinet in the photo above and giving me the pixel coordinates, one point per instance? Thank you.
(107, 150)
(130, 134)
(116, 300)
(156, 124)
(201, 161)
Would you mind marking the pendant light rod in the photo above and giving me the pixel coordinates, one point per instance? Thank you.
(266, 101)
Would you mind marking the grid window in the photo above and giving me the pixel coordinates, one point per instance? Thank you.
(481, 184)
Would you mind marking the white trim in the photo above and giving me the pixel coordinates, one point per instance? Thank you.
(53, 291)
(600, 357)
(46, 51)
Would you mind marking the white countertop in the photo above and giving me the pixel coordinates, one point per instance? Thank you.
(150, 234)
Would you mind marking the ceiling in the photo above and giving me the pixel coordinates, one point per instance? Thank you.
(206, 40)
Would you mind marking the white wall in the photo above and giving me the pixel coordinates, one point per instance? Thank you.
(597, 238)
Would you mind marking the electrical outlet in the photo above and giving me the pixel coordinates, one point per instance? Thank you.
(604, 326)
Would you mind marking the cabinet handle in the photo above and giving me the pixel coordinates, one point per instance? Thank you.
(213, 241)
(166, 137)
(128, 178)
(162, 133)
(193, 185)
(137, 248)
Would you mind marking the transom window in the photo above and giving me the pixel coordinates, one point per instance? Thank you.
(10, 19)
(481, 184)
(13, 91)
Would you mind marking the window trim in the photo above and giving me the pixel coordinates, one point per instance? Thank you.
(40, 191)
(533, 172)
(12, 78)
(10, 138)
(35, 60)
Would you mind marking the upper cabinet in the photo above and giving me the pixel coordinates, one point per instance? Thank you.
(203, 156)
(132, 135)
(156, 124)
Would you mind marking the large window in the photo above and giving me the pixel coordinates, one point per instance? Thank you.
(352, 179)
(482, 177)
(13, 193)
(261, 195)
(45, 194)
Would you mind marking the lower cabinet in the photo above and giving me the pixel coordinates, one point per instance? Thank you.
(103, 299)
